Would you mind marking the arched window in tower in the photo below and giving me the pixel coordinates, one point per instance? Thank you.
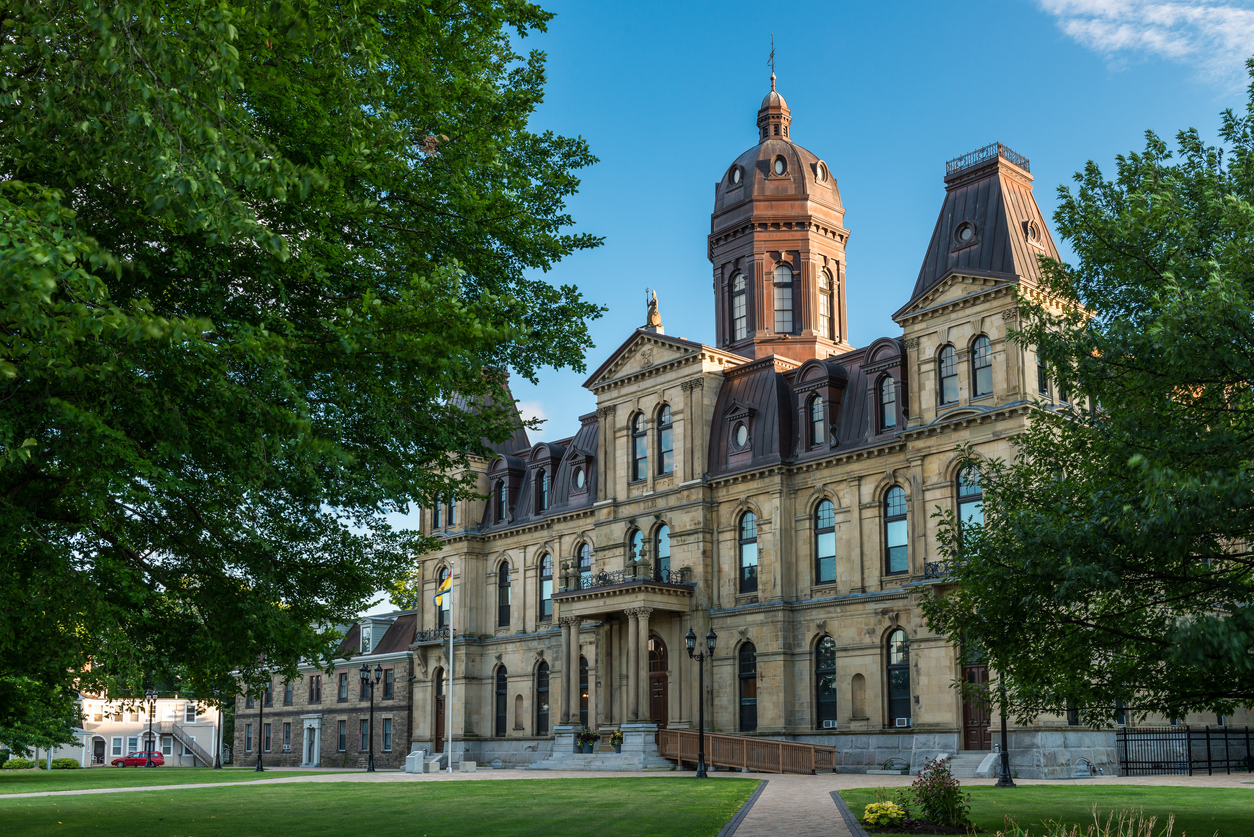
(896, 553)
(546, 588)
(747, 669)
(502, 697)
(981, 367)
(639, 449)
(665, 441)
(825, 305)
(542, 698)
(825, 543)
(888, 403)
(542, 491)
(783, 299)
(898, 679)
(585, 566)
(441, 615)
(817, 432)
(502, 595)
(947, 370)
(970, 498)
(749, 553)
(739, 307)
(662, 554)
(825, 683)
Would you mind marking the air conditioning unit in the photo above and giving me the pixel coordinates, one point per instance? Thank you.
(903, 722)
(829, 725)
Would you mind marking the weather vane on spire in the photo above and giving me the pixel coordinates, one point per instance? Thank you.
(771, 61)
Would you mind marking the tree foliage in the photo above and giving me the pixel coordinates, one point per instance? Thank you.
(1114, 563)
(255, 260)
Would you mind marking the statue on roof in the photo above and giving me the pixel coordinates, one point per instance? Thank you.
(653, 320)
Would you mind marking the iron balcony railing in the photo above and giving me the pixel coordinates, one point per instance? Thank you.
(610, 578)
(935, 569)
(983, 155)
(434, 635)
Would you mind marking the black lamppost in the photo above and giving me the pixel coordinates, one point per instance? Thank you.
(151, 697)
(691, 640)
(261, 727)
(217, 733)
(366, 682)
(1004, 780)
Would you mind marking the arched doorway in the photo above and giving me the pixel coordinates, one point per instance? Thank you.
(98, 750)
(658, 664)
(441, 724)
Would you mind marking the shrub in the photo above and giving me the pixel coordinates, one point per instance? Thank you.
(4, 756)
(883, 813)
(18, 764)
(939, 796)
(65, 764)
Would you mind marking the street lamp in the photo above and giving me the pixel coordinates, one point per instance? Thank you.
(261, 727)
(367, 682)
(150, 696)
(1004, 780)
(710, 639)
(217, 732)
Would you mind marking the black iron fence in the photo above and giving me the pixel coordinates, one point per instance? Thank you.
(609, 578)
(935, 569)
(1157, 751)
(433, 635)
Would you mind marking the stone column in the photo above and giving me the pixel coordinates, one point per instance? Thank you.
(572, 694)
(633, 666)
(642, 664)
(565, 690)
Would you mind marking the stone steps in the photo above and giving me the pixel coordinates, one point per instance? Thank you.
(967, 764)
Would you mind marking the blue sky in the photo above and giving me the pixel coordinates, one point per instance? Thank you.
(667, 95)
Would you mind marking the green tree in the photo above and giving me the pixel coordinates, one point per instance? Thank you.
(255, 260)
(1114, 563)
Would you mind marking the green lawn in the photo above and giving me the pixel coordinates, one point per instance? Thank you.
(1200, 812)
(33, 781)
(549, 807)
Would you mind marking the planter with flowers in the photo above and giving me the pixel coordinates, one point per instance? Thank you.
(587, 739)
(616, 738)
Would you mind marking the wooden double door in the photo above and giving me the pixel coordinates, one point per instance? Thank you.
(659, 710)
(977, 732)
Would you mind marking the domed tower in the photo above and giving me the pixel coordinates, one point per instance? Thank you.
(777, 241)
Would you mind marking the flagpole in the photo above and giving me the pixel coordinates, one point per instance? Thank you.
(449, 713)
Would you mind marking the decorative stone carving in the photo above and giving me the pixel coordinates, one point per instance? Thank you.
(1010, 315)
(912, 344)
(695, 383)
(606, 412)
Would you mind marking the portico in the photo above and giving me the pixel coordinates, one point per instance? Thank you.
(312, 752)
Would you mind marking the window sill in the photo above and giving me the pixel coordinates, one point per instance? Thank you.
(975, 398)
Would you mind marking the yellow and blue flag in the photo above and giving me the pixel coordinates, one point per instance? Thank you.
(445, 586)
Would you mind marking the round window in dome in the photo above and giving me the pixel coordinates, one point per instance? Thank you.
(780, 166)
(580, 479)
(821, 173)
(735, 175)
(964, 235)
(742, 435)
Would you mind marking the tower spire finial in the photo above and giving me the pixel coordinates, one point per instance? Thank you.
(771, 61)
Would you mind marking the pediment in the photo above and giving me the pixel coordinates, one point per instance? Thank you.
(952, 288)
(641, 351)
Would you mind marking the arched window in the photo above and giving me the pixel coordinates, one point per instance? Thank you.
(546, 588)
(747, 665)
(442, 613)
(970, 498)
(665, 441)
(542, 491)
(639, 449)
(896, 554)
(500, 496)
(636, 544)
(981, 367)
(583, 692)
(825, 543)
(739, 307)
(783, 299)
(817, 435)
(452, 510)
(825, 305)
(435, 515)
(825, 683)
(888, 403)
(1042, 375)
(749, 553)
(502, 595)
(948, 373)
(898, 679)
(502, 701)
(542, 699)
(662, 554)
(585, 566)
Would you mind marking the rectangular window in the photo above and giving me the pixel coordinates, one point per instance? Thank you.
(167, 745)
(187, 748)
(826, 552)
(117, 746)
(365, 735)
(265, 738)
(387, 735)
(269, 699)
(343, 686)
(248, 738)
(452, 510)
(749, 567)
(341, 741)
(189, 713)
(99, 716)
(134, 716)
(898, 561)
(287, 694)
(365, 692)
(1042, 378)
(287, 736)
(740, 317)
(825, 310)
(1073, 717)
(315, 689)
(783, 309)
(117, 715)
(389, 683)
(248, 701)
(132, 744)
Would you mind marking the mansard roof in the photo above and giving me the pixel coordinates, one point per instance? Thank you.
(988, 193)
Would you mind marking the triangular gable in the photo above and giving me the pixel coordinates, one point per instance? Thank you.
(952, 287)
(642, 350)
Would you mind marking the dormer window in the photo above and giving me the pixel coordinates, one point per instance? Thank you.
(500, 500)
(365, 639)
(542, 491)
(888, 403)
(740, 436)
(817, 436)
(739, 307)
(782, 281)
(735, 175)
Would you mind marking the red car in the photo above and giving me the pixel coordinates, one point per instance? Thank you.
(139, 759)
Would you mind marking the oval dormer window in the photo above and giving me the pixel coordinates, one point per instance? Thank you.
(780, 166)
(580, 479)
(742, 435)
(821, 173)
(735, 175)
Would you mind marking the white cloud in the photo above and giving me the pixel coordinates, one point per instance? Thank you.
(1213, 37)
(532, 410)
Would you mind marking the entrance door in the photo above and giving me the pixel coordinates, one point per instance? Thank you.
(98, 748)
(440, 723)
(977, 734)
(658, 710)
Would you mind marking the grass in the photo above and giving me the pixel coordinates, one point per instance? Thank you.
(655, 807)
(34, 781)
(1200, 812)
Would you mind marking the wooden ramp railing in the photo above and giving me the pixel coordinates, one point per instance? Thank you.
(766, 755)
